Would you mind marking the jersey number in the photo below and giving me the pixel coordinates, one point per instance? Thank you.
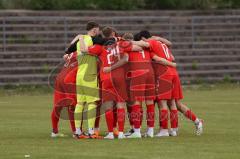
(114, 52)
(165, 49)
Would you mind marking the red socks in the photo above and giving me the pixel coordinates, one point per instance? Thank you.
(174, 118)
(109, 119)
(136, 116)
(163, 119)
(150, 115)
(190, 115)
(121, 119)
(55, 118)
(115, 117)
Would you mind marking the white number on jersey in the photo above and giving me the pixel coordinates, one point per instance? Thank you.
(143, 54)
(113, 52)
(166, 52)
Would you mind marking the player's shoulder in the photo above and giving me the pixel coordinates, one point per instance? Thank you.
(124, 44)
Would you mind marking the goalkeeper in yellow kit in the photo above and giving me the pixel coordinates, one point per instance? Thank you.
(87, 84)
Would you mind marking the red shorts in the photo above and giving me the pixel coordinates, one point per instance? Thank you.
(65, 88)
(142, 85)
(177, 88)
(114, 90)
(168, 87)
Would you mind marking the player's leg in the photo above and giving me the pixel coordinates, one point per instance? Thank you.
(91, 117)
(137, 95)
(115, 121)
(178, 95)
(121, 118)
(78, 116)
(108, 106)
(173, 118)
(150, 92)
(130, 119)
(150, 118)
(136, 116)
(163, 118)
(91, 91)
(97, 121)
(191, 116)
(55, 115)
(164, 93)
(71, 110)
(108, 98)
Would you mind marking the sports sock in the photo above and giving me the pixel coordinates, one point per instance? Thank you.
(91, 115)
(174, 118)
(109, 120)
(115, 117)
(190, 115)
(150, 115)
(121, 119)
(163, 119)
(78, 115)
(136, 116)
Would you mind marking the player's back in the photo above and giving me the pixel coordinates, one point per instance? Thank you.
(162, 50)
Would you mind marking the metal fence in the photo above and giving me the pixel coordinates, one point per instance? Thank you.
(192, 37)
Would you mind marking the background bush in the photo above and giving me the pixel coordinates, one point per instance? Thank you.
(117, 4)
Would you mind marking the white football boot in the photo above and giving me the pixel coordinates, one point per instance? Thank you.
(163, 133)
(199, 127)
(109, 136)
(121, 135)
(135, 135)
(54, 135)
(173, 131)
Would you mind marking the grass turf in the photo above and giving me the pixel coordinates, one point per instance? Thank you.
(25, 130)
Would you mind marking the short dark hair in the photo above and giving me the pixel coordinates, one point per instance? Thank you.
(137, 37)
(90, 25)
(144, 34)
(107, 32)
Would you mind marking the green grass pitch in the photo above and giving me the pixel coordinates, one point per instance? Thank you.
(25, 130)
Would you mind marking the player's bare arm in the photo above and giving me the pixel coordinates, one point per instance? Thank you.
(120, 63)
(136, 48)
(141, 43)
(163, 40)
(164, 61)
(83, 47)
(75, 39)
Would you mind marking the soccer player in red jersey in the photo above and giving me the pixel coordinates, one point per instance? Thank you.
(162, 50)
(142, 88)
(65, 93)
(112, 76)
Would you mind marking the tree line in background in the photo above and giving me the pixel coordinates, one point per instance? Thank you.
(118, 4)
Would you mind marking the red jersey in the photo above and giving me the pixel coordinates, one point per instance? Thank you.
(160, 49)
(108, 55)
(139, 62)
(139, 56)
